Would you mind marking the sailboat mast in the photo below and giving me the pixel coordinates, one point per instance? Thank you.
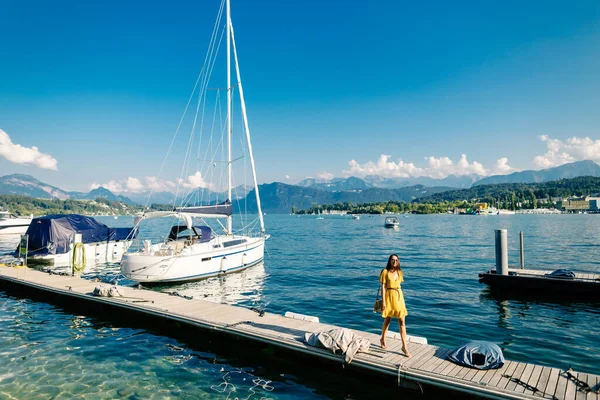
(247, 129)
(229, 170)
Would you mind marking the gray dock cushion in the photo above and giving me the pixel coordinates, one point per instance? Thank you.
(478, 354)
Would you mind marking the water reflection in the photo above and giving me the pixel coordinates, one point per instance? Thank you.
(518, 310)
(241, 288)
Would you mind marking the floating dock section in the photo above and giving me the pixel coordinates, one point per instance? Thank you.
(580, 285)
(426, 368)
(561, 282)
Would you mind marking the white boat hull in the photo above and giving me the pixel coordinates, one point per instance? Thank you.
(95, 253)
(180, 261)
(14, 226)
(13, 229)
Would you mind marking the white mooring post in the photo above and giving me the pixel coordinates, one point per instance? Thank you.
(501, 252)
(522, 250)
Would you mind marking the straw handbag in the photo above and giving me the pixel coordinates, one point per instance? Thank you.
(378, 306)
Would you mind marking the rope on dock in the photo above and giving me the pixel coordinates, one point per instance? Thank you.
(528, 386)
(238, 323)
(583, 387)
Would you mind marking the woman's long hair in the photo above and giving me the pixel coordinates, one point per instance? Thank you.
(389, 265)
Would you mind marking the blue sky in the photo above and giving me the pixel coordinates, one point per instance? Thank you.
(91, 92)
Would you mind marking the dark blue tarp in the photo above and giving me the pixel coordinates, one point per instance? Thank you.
(478, 354)
(53, 233)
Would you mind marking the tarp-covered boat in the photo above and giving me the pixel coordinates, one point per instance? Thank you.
(51, 240)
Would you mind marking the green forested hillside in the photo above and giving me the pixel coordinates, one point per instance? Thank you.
(25, 205)
(507, 195)
(510, 196)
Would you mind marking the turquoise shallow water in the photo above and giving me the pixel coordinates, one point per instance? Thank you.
(328, 268)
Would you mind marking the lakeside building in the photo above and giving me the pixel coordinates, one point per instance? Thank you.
(579, 204)
(335, 212)
(594, 204)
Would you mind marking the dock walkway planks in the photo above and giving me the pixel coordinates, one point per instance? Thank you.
(515, 380)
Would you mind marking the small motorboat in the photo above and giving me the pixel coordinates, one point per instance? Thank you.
(391, 222)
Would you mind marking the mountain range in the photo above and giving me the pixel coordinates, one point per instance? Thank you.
(279, 197)
(566, 171)
(376, 181)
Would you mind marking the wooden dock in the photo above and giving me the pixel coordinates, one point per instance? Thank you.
(583, 285)
(427, 367)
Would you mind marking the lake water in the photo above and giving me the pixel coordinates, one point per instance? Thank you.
(327, 268)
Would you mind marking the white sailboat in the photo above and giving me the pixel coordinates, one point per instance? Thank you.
(194, 250)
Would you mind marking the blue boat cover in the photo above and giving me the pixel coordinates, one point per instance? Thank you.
(478, 354)
(52, 234)
(561, 274)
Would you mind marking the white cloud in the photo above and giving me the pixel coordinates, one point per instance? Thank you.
(287, 177)
(195, 181)
(502, 167)
(159, 185)
(18, 154)
(571, 150)
(437, 168)
(324, 175)
(383, 167)
(134, 185)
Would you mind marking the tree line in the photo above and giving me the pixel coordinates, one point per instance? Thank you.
(510, 196)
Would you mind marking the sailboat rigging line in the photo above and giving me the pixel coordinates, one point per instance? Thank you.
(204, 76)
(204, 96)
(248, 141)
(215, 161)
(184, 112)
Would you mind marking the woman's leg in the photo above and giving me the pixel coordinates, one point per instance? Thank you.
(384, 328)
(402, 325)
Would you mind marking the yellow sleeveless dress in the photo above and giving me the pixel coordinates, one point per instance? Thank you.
(394, 299)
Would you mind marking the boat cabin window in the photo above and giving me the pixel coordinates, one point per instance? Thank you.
(234, 242)
(182, 232)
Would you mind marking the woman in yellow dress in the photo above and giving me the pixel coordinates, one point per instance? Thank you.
(393, 300)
